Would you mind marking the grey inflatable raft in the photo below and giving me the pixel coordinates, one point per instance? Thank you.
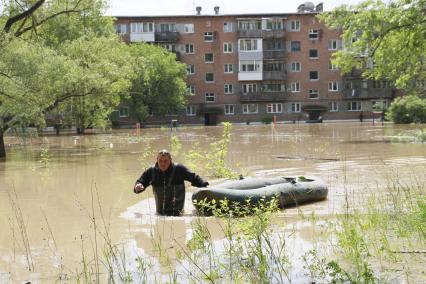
(288, 190)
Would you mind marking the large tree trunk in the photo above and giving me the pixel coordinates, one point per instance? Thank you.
(2, 148)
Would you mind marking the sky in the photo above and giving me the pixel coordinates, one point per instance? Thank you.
(187, 7)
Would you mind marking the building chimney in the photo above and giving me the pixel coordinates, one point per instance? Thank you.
(198, 8)
(216, 10)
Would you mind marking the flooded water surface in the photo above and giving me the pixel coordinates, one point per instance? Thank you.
(62, 197)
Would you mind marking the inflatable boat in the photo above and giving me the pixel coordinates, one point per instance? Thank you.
(288, 191)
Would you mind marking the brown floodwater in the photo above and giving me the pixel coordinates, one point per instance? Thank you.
(51, 187)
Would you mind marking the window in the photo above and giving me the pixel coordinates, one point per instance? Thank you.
(249, 108)
(248, 44)
(331, 65)
(229, 68)
(273, 88)
(274, 24)
(379, 104)
(313, 94)
(313, 34)
(273, 45)
(208, 58)
(227, 27)
(227, 47)
(189, 48)
(121, 29)
(229, 109)
(208, 36)
(190, 110)
(333, 86)
(209, 77)
(167, 28)
(190, 90)
(295, 46)
(354, 106)
(313, 75)
(274, 108)
(124, 112)
(382, 84)
(249, 88)
(333, 106)
(295, 87)
(295, 107)
(313, 53)
(142, 27)
(188, 28)
(295, 67)
(250, 25)
(209, 97)
(250, 66)
(332, 44)
(273, 66)
(190, 69)
(295, 26)
(168, 46)
(228, 88)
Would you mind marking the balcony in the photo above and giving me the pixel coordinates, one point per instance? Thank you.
(263, 97)
(274, 54)
(274, 75)
(358, 93)
(273, 33)
(249, 33)
(166, 36)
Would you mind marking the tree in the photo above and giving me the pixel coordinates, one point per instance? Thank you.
(408, 109)
(387, 41)
(159, 84)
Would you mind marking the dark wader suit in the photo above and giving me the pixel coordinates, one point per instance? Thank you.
(169, 187)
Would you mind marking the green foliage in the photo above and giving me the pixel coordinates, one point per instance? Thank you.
(408, 109)
(391, 35)
(159, 84)
(267, 119)
(214, 160)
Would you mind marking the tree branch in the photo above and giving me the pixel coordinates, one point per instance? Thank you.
(12, 20)
(62, 99)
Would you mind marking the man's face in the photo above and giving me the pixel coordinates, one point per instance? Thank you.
(164, 162)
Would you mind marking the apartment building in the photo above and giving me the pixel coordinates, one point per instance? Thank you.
(249, 68)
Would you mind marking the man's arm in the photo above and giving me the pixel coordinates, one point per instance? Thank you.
(143, 181)
(195, 179)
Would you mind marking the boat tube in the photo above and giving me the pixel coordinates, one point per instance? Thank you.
(288, 191)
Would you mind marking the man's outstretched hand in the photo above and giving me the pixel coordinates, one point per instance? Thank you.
(138, 188)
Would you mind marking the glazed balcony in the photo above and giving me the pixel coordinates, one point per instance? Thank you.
(249, 33)
(274, 54)
(358, 93)
(166, 36)
(273, 34)
(274, 75)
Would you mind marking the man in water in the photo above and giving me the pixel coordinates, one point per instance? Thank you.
(167, 180)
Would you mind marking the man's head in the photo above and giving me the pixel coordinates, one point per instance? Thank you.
(164, 159)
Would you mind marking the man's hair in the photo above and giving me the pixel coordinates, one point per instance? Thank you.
(164, 152)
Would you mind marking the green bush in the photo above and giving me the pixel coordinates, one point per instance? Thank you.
(267, 119)
(408, 109)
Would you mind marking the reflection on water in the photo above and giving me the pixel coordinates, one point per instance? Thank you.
(58, 193)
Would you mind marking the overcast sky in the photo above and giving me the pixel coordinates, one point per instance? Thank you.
(187, 7)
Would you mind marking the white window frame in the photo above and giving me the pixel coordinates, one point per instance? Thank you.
(291, 46)
(190, 69)
(228, 68)
(295, 87)
(190, 90)
(296, 107)
(310, 73)
(295, 25)
(248, 45)
(227, 47)
(333, 106)
(208, 36)
(249, 108)
(141, 27)
(205, 78)
(249, 88)
(189, 48)
(296, 67)
(274, 108)
(331, 66)
(358, 105)
(229, 109)
(121, 29)
(313, 34)
(123, 111)
(314, 92)
(227, 27)
(256, 65)
(333, 44)
(313, 57)
(188, 28)
(228, 88)
(208, 54)
(333, 86)
(190, 110)
(209, 97)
